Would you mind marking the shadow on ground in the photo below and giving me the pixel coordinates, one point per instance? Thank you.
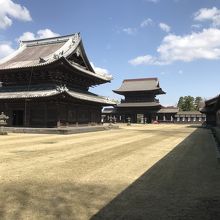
(184, 185)
(28, 200)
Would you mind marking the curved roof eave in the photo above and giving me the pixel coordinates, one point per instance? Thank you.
(84, 56)
(31, 66)
(71, 42)
(212, 100)
(60, 60)
(13, 54)
(133, 91)
(92, 74)
(55, 92)
(90, 98)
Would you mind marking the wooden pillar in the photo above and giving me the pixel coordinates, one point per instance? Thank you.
(77, 115)
(58, 114)
(27, 105)
(67, 114)
(45, 115)
(90, 114)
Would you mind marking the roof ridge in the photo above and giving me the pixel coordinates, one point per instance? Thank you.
(49, 40)
(141, 79)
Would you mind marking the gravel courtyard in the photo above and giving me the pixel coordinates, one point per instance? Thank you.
(145, 172)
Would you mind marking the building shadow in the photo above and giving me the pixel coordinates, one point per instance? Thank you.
(184, 185)
(55, 201)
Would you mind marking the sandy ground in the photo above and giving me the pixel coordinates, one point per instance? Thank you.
(136, 172)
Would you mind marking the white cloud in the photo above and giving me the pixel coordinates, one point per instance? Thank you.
(133, 31)
(45, 33)
(99, 70)
(196, 26)
(5, 49)
(9, 10)
(130, 31)
(208, 14)
(142, 60)
(164, 27)
(146, 22)
(26, 36)
(201, 45)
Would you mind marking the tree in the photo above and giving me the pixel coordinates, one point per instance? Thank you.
(180, 103)
(198, 103)
(186, 103)
(189, 103)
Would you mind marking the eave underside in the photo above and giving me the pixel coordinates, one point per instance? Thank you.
(138, 104)
(136, 92)
(37, 92)
(61, 65)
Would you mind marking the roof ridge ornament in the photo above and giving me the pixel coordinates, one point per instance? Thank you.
(78, 52)
(75, 38)
(56, 56)
(62, 88)
(42, 60)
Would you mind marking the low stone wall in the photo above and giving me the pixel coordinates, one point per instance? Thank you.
(64, 130)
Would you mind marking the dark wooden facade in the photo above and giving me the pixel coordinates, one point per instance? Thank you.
(45, 84)
(51, 112)
(164, 115)
(140, 101)
(141, 106)
(212, 111)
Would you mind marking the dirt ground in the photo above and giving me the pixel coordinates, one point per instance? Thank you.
(144, 172)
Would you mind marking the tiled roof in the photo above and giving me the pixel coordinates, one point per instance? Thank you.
(168, 110)
(212, 100)
(137, 85)
(42, 52)
(211, 105)
(188, 114)
(37, 92)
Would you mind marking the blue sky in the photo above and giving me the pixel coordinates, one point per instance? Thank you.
(177, 41)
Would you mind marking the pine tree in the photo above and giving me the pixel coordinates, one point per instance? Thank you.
(180, 104)
(198, 102)
(189, 103)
